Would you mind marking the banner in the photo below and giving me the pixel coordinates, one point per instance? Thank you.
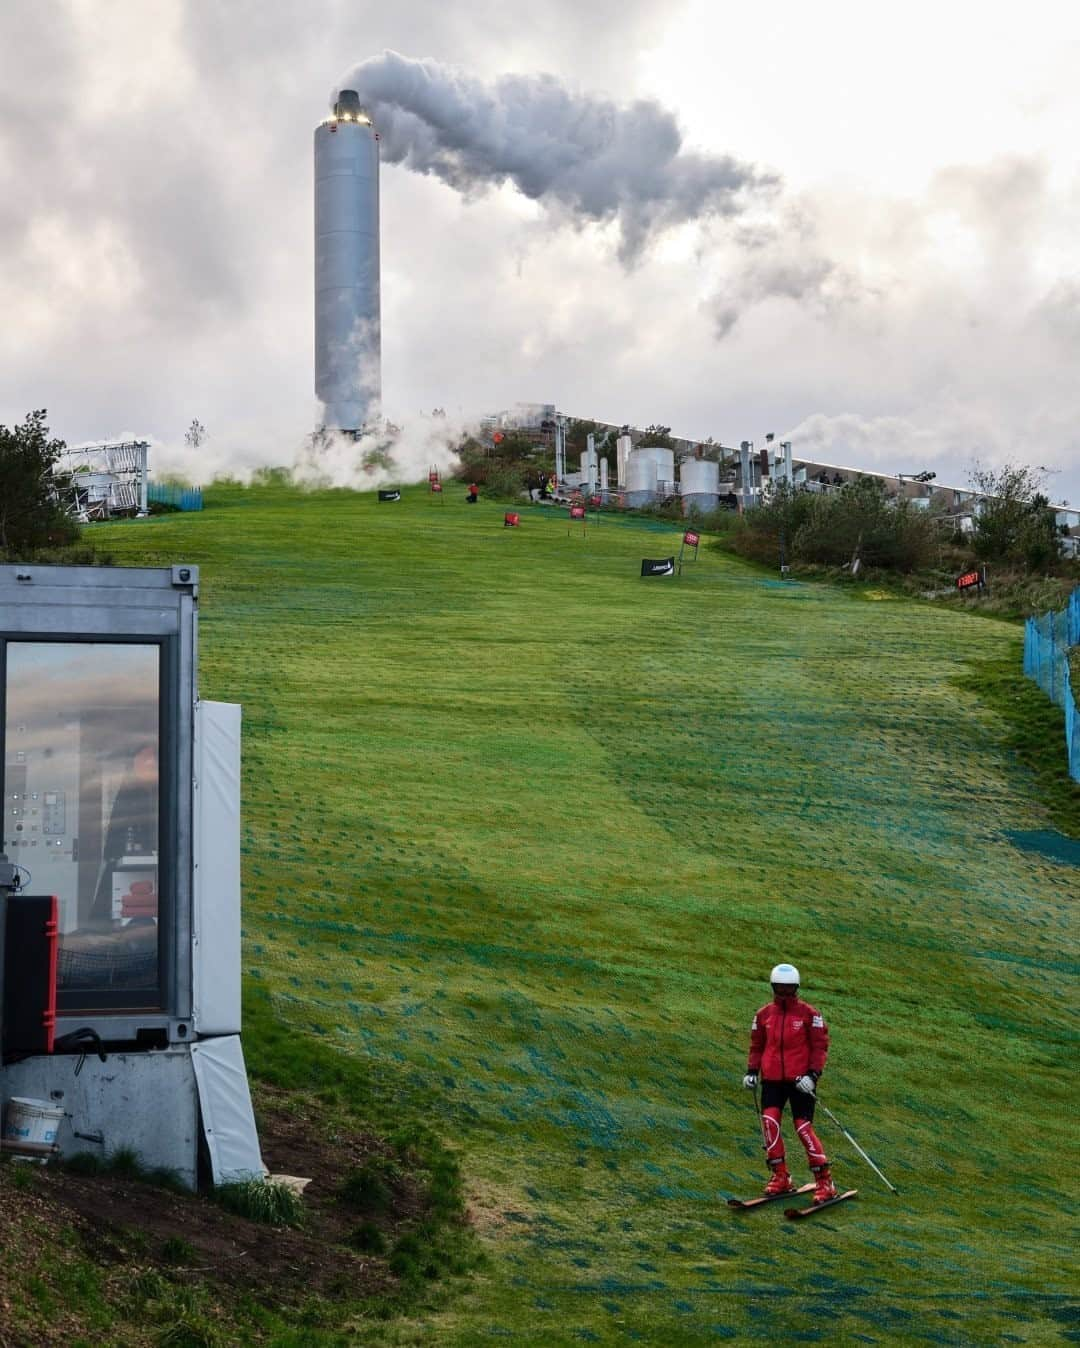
(389, 496)
(577, 512)
(970, 580)
(664, 566)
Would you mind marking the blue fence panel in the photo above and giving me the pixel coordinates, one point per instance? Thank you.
(168, 493)
(1047, 642)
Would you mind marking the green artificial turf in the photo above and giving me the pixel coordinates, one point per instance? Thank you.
(526, 833)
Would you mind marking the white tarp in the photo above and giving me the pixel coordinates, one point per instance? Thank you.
(228, 1120)
(216, 951)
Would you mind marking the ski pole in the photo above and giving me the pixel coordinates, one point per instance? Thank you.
(859, 1149)
(760, 1120)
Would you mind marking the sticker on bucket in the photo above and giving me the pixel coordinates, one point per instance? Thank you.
(32, 1122)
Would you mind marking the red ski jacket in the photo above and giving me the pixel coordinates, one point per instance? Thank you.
(787, 1039)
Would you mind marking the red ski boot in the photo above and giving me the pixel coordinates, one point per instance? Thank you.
(824, 1187)
(781, 1181)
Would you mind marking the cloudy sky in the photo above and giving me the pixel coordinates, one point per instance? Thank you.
(856, 227)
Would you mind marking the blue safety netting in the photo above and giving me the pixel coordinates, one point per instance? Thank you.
(1047, 641)
(170, 493)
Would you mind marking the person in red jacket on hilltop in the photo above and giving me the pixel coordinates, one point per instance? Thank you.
(789, 1042)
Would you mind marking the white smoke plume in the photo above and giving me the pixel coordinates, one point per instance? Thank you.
(380, 459)
(576, 154)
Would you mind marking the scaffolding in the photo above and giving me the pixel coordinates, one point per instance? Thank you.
(102, 481)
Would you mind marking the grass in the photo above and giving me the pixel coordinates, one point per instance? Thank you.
(267, 1201)
(523, 836)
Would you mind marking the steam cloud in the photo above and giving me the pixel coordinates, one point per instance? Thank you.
(572, 152)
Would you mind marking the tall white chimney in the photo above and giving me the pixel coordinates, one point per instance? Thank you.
(348, 374)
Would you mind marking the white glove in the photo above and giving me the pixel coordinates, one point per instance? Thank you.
(750, 1080)
(805, 1084)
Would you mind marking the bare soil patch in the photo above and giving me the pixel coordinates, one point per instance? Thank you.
(130, 1224)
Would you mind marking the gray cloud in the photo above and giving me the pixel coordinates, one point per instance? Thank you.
(156, 251)
(583, 154)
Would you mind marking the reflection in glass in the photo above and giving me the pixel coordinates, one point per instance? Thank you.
(81, 806)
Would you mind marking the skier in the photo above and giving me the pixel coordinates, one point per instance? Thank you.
(789, 1043)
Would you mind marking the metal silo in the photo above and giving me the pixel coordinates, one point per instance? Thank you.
(640, 477)
(700, 482)
(348, 379)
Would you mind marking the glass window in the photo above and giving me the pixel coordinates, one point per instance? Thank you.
(82, 808)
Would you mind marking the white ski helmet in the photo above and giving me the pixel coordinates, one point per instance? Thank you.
(785, 973)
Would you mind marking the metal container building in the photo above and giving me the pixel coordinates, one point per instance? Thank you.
(121, 797)
(348, 376)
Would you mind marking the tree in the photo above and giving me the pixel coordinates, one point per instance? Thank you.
(196, 434)
(31, 515)
(1015, 522)
(659, 436)
(514, 445)
(578, 432)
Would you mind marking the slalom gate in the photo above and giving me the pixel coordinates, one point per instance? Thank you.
(1047, 642)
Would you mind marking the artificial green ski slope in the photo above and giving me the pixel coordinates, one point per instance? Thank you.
(527, 832)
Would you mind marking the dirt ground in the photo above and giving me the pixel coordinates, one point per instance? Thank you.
(129, 1222)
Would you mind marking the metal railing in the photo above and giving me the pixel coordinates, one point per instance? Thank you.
(1047, 642)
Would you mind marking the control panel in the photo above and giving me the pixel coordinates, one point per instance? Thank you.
(40, 818)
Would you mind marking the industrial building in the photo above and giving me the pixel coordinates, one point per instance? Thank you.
(707, 475)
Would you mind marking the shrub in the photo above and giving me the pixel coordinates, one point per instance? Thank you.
(830, 529)
(262, 1200)
(176, 1250)
(370, 1187)
(368, 1238)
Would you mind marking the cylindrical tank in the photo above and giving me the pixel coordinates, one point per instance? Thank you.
(623, 447)
(665, 469)
(640, 477)
(348, 376)
(700, 482)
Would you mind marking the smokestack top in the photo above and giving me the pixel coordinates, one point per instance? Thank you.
(347, 108)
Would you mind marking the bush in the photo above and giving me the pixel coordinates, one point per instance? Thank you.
(830, 529)
(370, 1187)
(368, 1238)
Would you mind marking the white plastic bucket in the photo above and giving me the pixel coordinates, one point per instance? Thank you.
(32, 1123)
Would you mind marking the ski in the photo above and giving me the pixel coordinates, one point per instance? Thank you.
(743, 1204)
(796, 1214)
